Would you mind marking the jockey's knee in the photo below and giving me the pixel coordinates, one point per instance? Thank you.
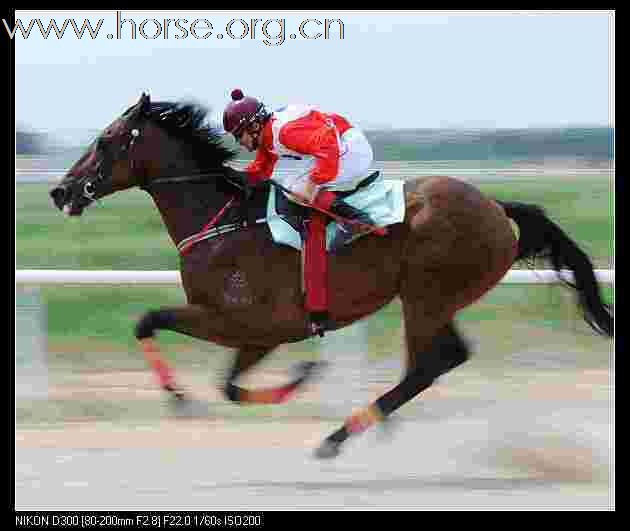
(325, 198)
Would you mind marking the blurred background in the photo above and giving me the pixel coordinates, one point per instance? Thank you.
(521, 104)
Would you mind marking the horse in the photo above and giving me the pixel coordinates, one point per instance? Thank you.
(243, 291)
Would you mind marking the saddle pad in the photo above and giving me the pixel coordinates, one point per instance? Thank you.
(383, 200)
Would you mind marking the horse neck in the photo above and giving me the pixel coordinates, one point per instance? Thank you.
(186, 207)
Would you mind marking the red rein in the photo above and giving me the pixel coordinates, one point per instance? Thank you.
(197, 237)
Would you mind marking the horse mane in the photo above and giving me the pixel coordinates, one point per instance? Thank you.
(187, 122)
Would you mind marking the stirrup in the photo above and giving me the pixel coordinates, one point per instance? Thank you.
(319, 322)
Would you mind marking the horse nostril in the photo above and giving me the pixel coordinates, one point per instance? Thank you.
(59, 195)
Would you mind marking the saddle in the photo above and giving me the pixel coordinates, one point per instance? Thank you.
(295, 214)
(254, 205)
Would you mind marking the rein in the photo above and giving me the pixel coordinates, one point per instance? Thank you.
(190, 178)
(209, 230)
(182, 179)
(205, 233)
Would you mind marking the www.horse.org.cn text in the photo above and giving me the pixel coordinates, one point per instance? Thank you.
(272, 32)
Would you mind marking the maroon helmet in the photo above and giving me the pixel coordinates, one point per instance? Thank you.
(241, 112)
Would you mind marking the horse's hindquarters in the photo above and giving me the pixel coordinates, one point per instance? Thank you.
(460, 244)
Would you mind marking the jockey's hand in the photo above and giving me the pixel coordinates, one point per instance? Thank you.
(305, 192)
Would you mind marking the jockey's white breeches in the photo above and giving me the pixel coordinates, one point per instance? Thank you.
(356, 157)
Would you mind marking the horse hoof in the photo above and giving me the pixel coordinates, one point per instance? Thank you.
(185, 408)
(328, 450)
(389, 426)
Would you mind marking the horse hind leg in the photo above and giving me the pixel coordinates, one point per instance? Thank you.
(434, 347)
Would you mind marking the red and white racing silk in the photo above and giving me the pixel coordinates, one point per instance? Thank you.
(341, 156)
(298, 131)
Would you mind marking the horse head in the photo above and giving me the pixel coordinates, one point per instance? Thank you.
(115, 161)
(149, 140)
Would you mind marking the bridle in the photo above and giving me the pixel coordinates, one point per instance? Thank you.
(106, 157)
(105, 160)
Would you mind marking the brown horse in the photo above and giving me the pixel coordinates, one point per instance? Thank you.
(244, 291)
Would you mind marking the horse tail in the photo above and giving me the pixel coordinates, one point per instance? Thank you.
(540, 237)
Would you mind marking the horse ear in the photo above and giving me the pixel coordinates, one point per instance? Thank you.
(145, 104)
(142, 107)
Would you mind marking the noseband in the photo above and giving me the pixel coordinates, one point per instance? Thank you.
(106, 157)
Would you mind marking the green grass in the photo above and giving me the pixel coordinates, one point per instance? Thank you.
(126, 232)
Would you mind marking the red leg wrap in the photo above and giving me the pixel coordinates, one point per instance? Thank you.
(159, 366)
(277, 395)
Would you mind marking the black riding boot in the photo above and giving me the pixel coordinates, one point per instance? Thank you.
(346, 232)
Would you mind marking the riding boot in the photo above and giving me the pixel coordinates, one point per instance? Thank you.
(320, 322)
(346, 232)
(315, 273)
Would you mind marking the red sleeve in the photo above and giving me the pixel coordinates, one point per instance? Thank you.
(310, 135)
(262, 166)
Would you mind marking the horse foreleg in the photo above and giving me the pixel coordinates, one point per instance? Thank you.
(191, 320)
(198, 321)
(245, 359)
(446, 351)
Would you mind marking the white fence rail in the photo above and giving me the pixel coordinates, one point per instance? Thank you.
(31, 277)
(344, 388)
(391, 170)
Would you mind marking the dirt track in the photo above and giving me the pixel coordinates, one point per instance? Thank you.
(536, 443)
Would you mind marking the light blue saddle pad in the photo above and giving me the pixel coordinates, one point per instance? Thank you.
(383, 200)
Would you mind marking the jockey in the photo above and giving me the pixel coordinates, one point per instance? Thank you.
(341, 159)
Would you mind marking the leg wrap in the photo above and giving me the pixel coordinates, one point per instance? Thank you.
(363, 419)
(276, 395)
(160, 367)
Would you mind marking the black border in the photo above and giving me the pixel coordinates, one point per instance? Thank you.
(8, 54)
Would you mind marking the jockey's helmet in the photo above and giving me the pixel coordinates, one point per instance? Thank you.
(241, 112)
